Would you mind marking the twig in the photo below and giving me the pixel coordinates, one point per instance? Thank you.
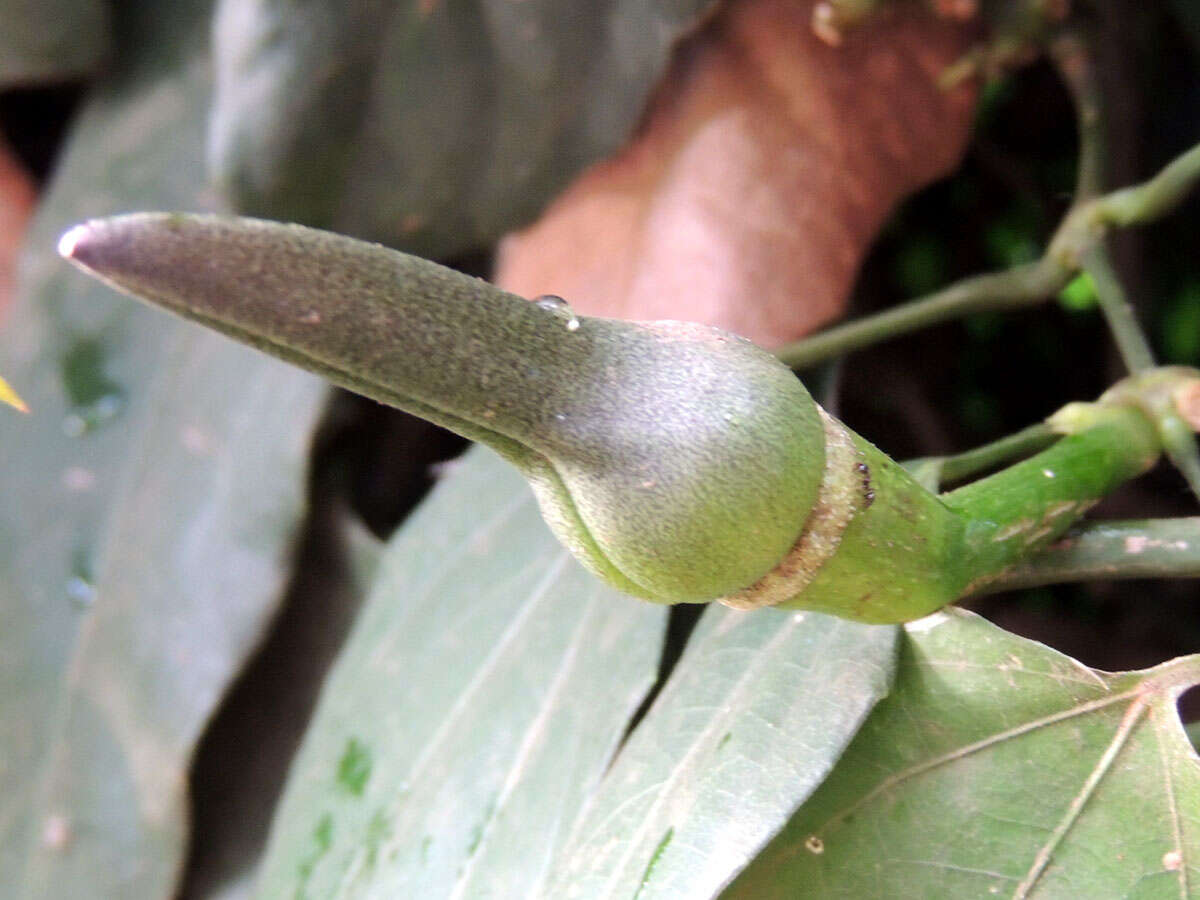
(1075, 67)
(1131, 340)
(1020, 286)
(1141, 548)
(1151, 199)
(935, 471)
(1015, 512)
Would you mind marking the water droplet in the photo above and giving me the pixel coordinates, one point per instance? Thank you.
(551, 302)
(107, 406)
(74, 426)
(557, 305)
(81, 592)
(81, 584)
(83, 420)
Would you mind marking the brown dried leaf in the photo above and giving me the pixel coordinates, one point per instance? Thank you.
(17, 197)
(765, 167)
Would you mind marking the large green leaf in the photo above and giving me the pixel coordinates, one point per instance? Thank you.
(147, 505)
(42, 40)
(757, 712)
(431, 126)
(510, 673)
(480, 696)
(999, 767)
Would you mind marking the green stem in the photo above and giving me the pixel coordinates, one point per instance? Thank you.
(1154, 198)
(1131, 341)
(1167, 395)
(1025, 507)
(1078, 72)
(1144, 548)
(903, 553)
(1179, 443)
(935, 471)
(1076, 68)
(1020, 286)
(1016, 287)
(1075, 65)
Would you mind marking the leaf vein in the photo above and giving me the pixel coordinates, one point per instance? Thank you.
(893, 781)
(1128, 721)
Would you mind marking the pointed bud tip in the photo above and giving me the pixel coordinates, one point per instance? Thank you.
(72, 239)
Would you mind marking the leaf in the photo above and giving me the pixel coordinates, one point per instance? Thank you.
(147, 506)
(49, 40)
(16, 208)
(755, 715)
(233, 794)
(481, 694)
(999, 767)
(764, 169)
(9, 396)
(430, 126)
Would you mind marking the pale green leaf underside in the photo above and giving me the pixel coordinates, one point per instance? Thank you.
(461, 745)
(483, 691)
(757, 712)
(999, 767)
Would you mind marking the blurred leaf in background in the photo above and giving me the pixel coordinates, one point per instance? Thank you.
(47, 40)
(431, 127)
(483, 692)
(149, 507)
